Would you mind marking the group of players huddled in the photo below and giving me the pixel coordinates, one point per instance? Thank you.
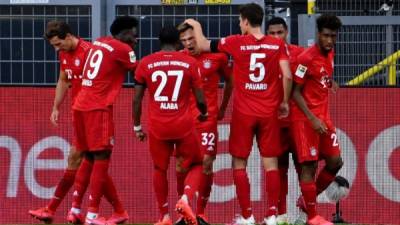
(183, 113)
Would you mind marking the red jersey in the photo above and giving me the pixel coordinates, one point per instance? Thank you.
(108, 61)
(314, 71)
(212, 66)
(72, 63)
(294, 51)
(170, 78)
(257, 87)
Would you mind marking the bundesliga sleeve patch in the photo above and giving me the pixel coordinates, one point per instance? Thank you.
(222, 41)
(300, 71)
(132, 56)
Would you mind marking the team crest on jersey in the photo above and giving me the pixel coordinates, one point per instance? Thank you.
(207, 64)
(326, 81)
(300, 71)
(77, 62)
(313, 151)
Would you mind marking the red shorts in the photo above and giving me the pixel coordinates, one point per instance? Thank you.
(310, 145)
(244, 127)
(187, 148)
(208, 136)
(94, 130)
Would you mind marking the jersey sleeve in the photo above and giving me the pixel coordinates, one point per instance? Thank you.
(61, 59)
(126, 56)
(229, 44)
(283, 51)
(300, 65)
(195, 76)
(140, 74)
(225, 67)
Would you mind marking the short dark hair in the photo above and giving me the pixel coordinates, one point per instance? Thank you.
(169, 35)
(277, 21)
(123, 23)
(57, 28)
(253, 13)
(328, 21)
(183, 27)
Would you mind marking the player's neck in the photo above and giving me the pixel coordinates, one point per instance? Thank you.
(322, 51)
(256, 32)
(75, 42)
(168, 48)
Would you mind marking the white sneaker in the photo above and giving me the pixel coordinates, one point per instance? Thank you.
(239, 220)
(301, 219)
(271, 220)
(282, 219)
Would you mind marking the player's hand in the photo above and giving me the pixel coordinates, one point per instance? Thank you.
(194, 23)
(221, 113)
(54, 117)
(202, 117)
(318, 125)
(283, 110)
(140, 135)
(335, 87)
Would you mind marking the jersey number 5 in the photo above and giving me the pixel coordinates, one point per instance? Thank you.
(164, 78)
(254, 65)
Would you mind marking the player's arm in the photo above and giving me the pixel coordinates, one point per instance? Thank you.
(203, 43)
(317, 124)
(137, 111)
(61, 91)
(228, 87)
(200, 103)
(287, 87)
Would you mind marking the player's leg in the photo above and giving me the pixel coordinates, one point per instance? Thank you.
(208, 146)
(268, 139)
(120, 215)
(307, 142)
(188, 148)
(283, 164)
(240, 144)
(330, 152)
(66, 182)
(160, 151)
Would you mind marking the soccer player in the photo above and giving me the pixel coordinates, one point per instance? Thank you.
(72, 52)
(109, 59)
(312, 129)
(277, 28)
(171, 77)
(212, 67)
(258, 99)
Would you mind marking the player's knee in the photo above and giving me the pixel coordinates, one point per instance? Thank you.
(74, 159)
(239, 163)
(208, 164)
(160, 169)
(309, 168)
(335, 165)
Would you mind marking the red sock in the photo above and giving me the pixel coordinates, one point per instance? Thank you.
(193, 180)
(180, 183)
(62, 189)
(205, 190)
(242, 184)
(110, 193)
(160, 185)
(324, 179)
(282, 206)
(81, 182)
(272, 185)
(309, 191)
(97, 183)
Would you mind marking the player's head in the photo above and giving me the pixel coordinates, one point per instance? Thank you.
(186, 35)
(124, 28)
(169, 38)
(327, 25)
(60, 36)
(277, 28)
(251, 15)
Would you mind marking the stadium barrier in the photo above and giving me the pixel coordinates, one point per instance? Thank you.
(33, 155)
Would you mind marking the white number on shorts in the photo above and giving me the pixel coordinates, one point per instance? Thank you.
(94, 63)
(164, 78)
(207, 138)
(334, 140)
(254, 65)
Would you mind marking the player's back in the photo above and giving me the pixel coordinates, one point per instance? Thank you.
(256, 72)
(106, 66)
(170, 78)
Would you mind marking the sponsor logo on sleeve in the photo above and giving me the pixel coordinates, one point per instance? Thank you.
(300, 71)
